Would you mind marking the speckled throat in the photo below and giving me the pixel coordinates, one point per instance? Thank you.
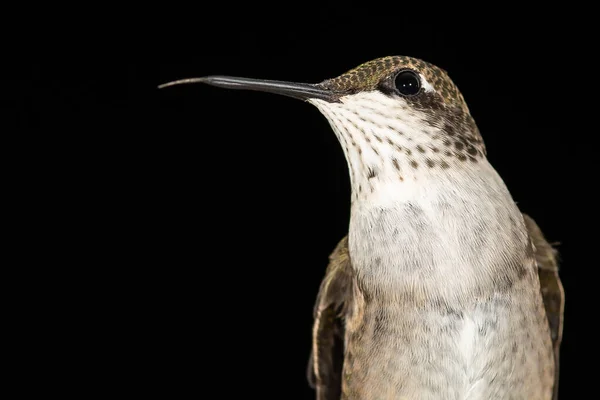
(388, 137)
(389, 140)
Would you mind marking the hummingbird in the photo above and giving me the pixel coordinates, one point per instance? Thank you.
(442, 288)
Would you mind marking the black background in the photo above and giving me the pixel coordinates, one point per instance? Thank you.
(205, 216)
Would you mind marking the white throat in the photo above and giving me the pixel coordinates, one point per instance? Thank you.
(422, 211)
(387, 142)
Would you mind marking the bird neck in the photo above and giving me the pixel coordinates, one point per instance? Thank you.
(461, 228)
(388, 183)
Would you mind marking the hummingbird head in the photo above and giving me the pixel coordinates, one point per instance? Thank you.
(399, 119)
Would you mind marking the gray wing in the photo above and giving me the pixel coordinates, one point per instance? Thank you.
(551, 287)
(327, 355)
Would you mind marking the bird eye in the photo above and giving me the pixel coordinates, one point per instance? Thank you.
(408, 83)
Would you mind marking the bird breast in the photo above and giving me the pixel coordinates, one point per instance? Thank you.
(454, 235)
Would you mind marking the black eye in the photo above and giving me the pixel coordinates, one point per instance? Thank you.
(408, 83)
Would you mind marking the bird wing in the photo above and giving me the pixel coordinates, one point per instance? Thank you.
(327, 355)
(551, 287)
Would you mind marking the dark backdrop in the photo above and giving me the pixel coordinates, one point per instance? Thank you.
(213, 212)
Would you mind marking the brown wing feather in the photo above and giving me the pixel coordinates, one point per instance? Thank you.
(326, 360)
(551, 287)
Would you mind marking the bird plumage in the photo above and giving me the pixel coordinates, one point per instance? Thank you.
(442, 288)
(436, 289)
(335, 295)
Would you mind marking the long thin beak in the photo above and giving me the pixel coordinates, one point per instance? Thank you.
(301, 91)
